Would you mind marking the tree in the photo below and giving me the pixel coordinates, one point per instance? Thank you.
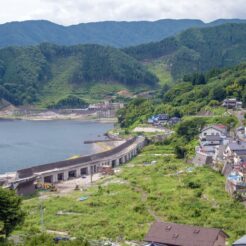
(11, 213)
(180, 151)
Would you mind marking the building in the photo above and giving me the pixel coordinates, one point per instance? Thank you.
(171, 234)
(211, 138)
(235, 152)
(174, 120)
(236, 183)
(213, 130)
(163, 119)
(232, 103)
(240, 242)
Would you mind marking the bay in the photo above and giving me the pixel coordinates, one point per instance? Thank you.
(28, 143)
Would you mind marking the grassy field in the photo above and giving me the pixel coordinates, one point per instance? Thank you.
(122, 207)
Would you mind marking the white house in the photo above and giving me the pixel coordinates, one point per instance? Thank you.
(213, 130)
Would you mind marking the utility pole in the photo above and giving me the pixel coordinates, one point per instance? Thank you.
(42, 216)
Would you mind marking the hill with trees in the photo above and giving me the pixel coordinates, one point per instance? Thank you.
(50, 74)
(196, 49)
(195, 93)
(112, 33)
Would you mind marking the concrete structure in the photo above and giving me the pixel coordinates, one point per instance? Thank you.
(87, 165)
(202, 159)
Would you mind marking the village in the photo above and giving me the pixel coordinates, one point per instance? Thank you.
(220, 148)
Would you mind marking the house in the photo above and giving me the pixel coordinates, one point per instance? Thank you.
(212, 140)
(232, 103)
(160, 119)
(234, 150)
(236, 183)
(240, 242)
(213, 130)
(163, 118)
(174, 120)
(171, 234)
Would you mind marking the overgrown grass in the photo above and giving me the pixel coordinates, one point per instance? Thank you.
(161, 71)
(116, 209)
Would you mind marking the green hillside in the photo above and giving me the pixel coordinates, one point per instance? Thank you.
(197, 92)
(46, 74)
(197, 49)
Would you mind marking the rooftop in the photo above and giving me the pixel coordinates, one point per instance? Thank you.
(218, 127)
(185, 235)
(237, 146)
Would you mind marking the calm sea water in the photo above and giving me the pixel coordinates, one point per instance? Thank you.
(28, 143)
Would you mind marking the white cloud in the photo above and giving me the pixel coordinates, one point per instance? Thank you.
(75, 11)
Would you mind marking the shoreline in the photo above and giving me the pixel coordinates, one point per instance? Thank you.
(63, 117)
(13, 113)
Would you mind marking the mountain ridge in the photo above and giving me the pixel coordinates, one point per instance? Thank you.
(196, 49)
(112, 33)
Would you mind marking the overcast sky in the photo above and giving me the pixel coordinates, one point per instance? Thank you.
(69, 12)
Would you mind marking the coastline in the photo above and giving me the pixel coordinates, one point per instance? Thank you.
(13, 113)
(96, 147)
(61, 117)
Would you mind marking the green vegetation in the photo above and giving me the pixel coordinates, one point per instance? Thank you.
(197, 49)
(160, 69)
(70, 102)
(123, 206)
(113, 210)
(46, 74)
(11, 214)
(179, 195)
(198, 93)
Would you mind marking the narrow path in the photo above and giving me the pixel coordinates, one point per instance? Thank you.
(144, 197)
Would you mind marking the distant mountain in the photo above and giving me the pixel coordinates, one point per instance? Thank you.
(53, 75)
(112, 33)
(196, 49)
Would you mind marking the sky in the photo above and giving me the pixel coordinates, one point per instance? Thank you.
(67, 12)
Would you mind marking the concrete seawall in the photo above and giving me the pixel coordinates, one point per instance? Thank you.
(87, 165)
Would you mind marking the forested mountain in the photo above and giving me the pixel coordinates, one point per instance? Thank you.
(49, 73)
(117, 34)
(196, 49)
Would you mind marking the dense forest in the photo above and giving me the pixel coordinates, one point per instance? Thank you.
(196, 92)
(113, 33)
(197, 49)
(28, 75)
